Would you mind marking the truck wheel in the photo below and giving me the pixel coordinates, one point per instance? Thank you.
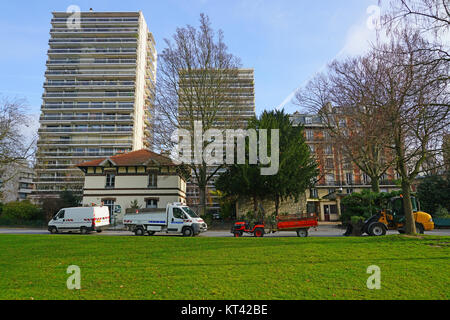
(188, 232)
(376, 229)
(83, 230)
(139, 232)
(54, 230)
(99, 231)
(419, 228)
(151, 233)
(303, 233)
(259, 232)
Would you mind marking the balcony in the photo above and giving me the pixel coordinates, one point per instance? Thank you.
(93, 51)
(129, 73)
(102, 142)
(85, 61)
(87, 83)
(89, 105)
(113, 30)
(117, 118)
(86, 130)
(90, 95)
(92, 40)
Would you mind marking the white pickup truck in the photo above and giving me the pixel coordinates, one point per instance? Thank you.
(177, 218)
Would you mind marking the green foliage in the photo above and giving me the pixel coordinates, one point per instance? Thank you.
(297, 167)
(365, 204)
(70, 199)
(442, 212)
(433, 192)
(19, 211)
(281, 268)
(135, 205)
(357, 219)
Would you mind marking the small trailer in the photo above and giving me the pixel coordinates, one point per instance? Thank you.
(282, 223)
(176, 218)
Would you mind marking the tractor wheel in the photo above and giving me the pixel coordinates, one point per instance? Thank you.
(139, 232)
(376, 229)
(419, 228)
(259, 232)
(302, 233)
(237, 234)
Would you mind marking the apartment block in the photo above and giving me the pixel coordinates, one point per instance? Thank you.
(234, 113)
(16, 181)
(98, 88)
(338, 175)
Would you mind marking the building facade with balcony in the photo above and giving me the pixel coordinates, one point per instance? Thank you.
(16, 182)
(97, 99)
(142, 177)
(338, 175)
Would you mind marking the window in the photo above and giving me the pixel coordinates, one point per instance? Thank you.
(111, 206)
(309, 135)
(152, 204)
(349, 190)
(308, 120)
(349, 178)
(60, 214)
(110, 180)
(329, 163)
(178, 213)
(328, 150)
(314, 194)
(152, 180)
(329, 178)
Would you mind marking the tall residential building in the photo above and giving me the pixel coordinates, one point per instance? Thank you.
(338, 175)
(16, 181)
(101, 70)
(234, 113)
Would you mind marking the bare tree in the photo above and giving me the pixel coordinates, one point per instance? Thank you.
(416, 106)
(342, 99)
(13, 146)
(194, 85)
(431, 18)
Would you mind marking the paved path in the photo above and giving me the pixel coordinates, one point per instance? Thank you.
(322, 231)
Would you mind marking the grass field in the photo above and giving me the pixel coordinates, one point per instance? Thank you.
(34, 267)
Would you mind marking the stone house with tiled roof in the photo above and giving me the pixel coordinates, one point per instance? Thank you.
(153, 180)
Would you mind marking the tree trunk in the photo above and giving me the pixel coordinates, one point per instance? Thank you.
(277, 205)
(410, 224)
(375, 185)
(202, 204)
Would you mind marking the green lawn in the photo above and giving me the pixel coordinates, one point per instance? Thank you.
(34, 267)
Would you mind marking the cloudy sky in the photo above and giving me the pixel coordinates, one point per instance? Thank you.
(285, 41)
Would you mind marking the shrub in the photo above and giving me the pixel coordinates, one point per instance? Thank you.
(441, 212)
(364, 204)
(20, 211)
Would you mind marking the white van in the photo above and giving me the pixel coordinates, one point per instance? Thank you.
(85, 219)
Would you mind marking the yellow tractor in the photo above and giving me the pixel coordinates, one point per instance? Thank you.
(393, 218)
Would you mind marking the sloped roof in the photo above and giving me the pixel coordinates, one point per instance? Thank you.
(142, 157)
